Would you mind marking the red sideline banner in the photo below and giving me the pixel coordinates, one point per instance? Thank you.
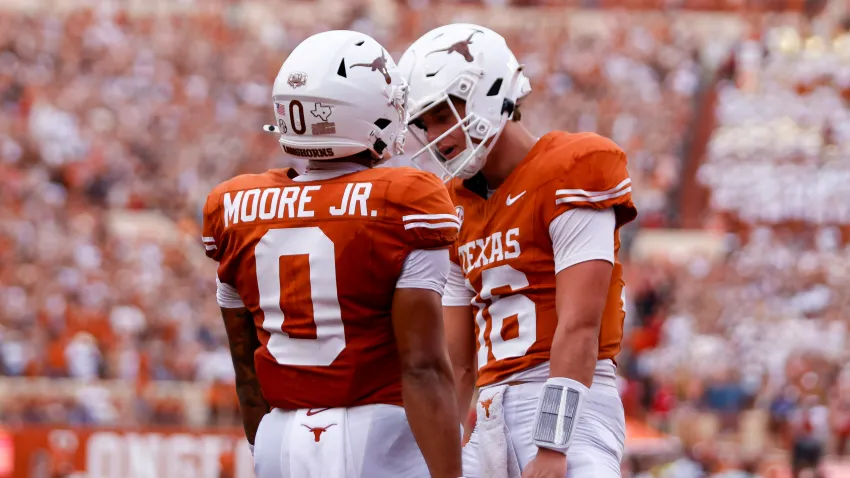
(43, 452)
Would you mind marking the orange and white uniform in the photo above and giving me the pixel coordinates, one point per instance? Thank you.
(316, 259)
(562, 205)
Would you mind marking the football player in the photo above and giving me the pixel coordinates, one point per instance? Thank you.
(329, 282)
(534, 300)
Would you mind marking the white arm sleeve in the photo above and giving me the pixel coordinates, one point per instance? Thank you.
(226, 295)
(581, 235)
(425, 269)
(457, 293)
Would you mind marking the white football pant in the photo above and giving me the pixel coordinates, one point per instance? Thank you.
(371, 441)
(597, 446)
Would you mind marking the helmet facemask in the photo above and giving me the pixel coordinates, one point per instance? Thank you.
(465, 62)
(480, 136)
(398, 99)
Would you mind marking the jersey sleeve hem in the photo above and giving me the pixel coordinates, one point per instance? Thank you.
(456, 293)
(582, 235)
(585, 256)
(227, 296)
(434, 285)
(425, 269)
(456, 302)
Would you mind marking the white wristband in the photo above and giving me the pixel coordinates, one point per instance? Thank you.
(559, 407)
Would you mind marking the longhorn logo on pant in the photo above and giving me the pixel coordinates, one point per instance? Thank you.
(486, 404)
(317, 431)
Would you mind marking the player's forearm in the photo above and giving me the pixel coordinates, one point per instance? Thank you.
(575, 348)
(243, 343)
(431, 408)
(252, 405)
(464, 388)
(581, 294)
(460, 339)
(464, 370)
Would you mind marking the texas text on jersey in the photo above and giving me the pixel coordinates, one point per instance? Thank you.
(506, 252)
(316, 263)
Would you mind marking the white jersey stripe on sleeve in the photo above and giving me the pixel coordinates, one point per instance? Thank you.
(430, 217)
(207, 239)
(570, 199)
(431, 225)
(582, 192)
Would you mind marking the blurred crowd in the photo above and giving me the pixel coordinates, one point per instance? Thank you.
(634, 81)
(751, 347)
(783, 131)
(107, 117)
(114, 127)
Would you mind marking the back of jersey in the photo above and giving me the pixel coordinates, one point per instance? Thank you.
(316, 263)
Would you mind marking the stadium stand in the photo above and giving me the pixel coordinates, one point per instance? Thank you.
(116, 122)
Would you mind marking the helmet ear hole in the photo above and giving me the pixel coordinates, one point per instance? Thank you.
(380, 146)
(341, 70)
(495, 87)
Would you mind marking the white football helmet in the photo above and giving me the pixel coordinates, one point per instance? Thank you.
(337, 94)
(471, 63)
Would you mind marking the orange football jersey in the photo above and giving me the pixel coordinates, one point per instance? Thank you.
(506, 253)
(316, 263)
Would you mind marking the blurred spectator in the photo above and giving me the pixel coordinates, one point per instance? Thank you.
(810, 434)
(725, 395)
(839, 410)
(781, 409)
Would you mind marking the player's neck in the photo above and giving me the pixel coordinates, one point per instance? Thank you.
(364, 160)
(512, 147)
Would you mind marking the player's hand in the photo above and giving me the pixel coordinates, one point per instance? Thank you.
(547, 464)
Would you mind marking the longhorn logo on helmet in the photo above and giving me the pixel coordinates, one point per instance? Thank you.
(378, 64)
(461, 48)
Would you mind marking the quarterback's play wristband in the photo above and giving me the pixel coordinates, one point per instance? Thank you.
(558, 410)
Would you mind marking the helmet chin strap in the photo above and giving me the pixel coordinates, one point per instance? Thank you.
(469, 159)
(473, 166)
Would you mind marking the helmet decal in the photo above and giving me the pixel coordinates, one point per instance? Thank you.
(378, 64)
(331, 116)
(297, 79)
(461, 47)
(488, 85)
